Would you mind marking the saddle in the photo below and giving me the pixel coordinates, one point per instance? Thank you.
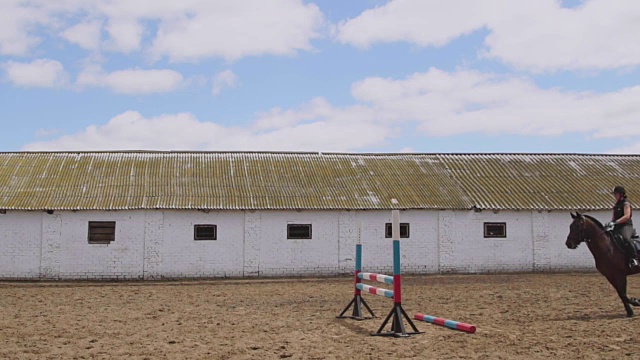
(635, 240)
(621, 244)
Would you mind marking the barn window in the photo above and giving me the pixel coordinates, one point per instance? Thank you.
(404, 230)
(205, 232)
(102, 232)
(495, 230)
(298, 231)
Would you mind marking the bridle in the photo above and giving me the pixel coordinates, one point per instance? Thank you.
(581, 237)
(577, 239)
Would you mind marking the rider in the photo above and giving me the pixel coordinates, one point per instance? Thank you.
(621, 222)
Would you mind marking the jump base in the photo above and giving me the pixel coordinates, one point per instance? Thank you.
(396, 316)
(357, 302)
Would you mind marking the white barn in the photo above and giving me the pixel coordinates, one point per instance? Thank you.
(154, 215)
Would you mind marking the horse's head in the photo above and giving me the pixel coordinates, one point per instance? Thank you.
(576, 231)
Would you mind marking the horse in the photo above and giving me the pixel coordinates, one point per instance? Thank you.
(611, 261)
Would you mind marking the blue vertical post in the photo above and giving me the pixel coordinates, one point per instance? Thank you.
(397, 278)
(357, 302)
(358, 266)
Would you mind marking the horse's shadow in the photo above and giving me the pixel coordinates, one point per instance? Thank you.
(592, 317)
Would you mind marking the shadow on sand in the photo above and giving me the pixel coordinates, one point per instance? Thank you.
(593, 317)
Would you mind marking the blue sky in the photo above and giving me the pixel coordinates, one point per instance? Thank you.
(530, 76)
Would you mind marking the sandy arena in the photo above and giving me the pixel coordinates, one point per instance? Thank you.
(518, 316)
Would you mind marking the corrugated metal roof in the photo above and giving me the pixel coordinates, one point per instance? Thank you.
(543, 181)
(264, 180)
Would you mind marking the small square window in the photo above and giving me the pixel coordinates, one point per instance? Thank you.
(495, 230)
(404, 231)
(102, 232)
(205, 232)
(298, 231)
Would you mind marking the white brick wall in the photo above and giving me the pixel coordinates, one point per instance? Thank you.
(182, 256)
(159, 244)
(465, 249)
(418, 253)
(153, 241)
(20, 244)
(51, 238)
(541, 241)
(70, 256)
(280, 256)
(348, 233)
(251, 246)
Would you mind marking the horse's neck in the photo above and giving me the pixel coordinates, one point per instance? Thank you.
(599, 242)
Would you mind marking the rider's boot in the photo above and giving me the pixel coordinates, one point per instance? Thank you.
(631, 254)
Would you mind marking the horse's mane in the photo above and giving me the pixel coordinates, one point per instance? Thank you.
(596, 221)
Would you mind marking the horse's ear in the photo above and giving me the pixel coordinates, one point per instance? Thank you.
(573, 216)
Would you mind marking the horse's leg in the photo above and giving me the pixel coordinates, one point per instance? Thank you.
(619, 282)
(634, 301)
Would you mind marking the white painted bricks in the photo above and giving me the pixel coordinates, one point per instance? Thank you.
(20, 244)
(159, 244)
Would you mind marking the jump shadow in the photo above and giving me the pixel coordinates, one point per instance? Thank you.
(353, 326)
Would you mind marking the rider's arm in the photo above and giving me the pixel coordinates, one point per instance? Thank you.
(627, 215)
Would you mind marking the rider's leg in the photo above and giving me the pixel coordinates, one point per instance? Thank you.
(627, 232)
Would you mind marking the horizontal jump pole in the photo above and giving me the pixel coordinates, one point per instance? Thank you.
(376, 277)
(446, 323)
(375, 291)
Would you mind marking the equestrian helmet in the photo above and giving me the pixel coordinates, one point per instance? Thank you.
(619, 190)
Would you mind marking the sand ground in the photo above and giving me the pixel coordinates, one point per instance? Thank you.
(518, 316)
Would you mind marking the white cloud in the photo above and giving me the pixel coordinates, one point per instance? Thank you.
(85, 34)
(317, 109)
(125, 34)
(132, 81)
(223, 79)
(406, 150)
(41, 133)
(423, 22)
(188, 30)
(42, 73)
(538, 35)
(462, 102)
(131, 130)
(276, 118)
(17, 23)
(600, 34)
(631, 149)
(434, 103)
(236, 29)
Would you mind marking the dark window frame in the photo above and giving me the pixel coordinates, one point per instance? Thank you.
(291, 237)
(495, 234)
(101, 232)
(200, 237)
(388, 230)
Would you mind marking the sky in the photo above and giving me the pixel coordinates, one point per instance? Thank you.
(358, 76)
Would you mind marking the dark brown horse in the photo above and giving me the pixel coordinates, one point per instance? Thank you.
(610, 259)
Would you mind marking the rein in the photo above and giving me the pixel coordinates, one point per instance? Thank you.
(581, 237)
